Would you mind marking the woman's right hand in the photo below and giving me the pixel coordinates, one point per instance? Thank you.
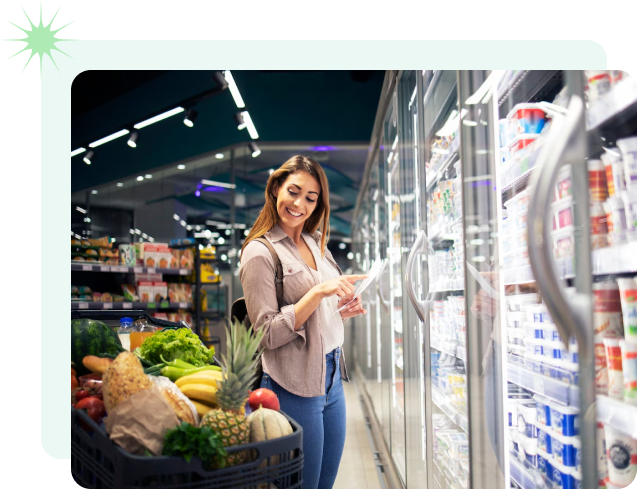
(340, 286)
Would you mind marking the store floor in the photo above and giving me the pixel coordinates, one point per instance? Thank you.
(357, 469)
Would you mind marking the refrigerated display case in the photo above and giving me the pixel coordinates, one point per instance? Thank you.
(503, 205)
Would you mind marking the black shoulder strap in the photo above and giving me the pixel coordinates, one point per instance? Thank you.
(278, 277)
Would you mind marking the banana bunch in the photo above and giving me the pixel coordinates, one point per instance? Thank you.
(201, 389)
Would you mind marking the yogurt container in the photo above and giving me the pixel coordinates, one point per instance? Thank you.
(544, 440)
(504, 132)
(526, 419)
(598, 84)
(563, 449)
(630, 208)
(553, 349)
(564, 419)
(526, 119)
(563, 188)
(577, 447)
(621, 451)
(629, 367)
(628, 294)
(562, 476)
(614, 363)
(597, 181)
(628, 147)
(607, 321)
(544, 463)
(614, 167)
(543, 411)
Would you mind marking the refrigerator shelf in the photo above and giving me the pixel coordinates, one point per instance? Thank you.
(447, 407)
(525, 86)
(524, 476)
(442, 230)
(614, 107)
(432, 179)
(457, 351)
(615, 259)
(553, 389)
(618, 414)
(517, 185)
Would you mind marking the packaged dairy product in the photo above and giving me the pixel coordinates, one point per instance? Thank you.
(630, 208)
(526, 418)
(526, 119)
(614, 362)
(628, 147)
(577, 448)
(562, 476)
(629, 367)
(602, 459)
(597, 181)
(614, 171)
(543, 410)
(544, 463)
(544, 439)
(621, 451)
(628, 293)
(564, 419)
(563, 449)
(599, 227)
(598, 84)
(617, 226)
(607, 321)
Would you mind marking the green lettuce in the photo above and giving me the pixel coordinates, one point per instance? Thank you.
(174, 344)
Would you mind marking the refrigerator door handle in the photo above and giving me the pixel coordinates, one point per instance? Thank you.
(384, 302)
(566, 310)
(420, 247)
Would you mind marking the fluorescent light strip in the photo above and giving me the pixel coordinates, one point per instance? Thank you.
(250, 125)
(218, 184)
(234, 90)
(158, 118)
(116, 135)
(83, 211)
(393, 146)
(77, 151)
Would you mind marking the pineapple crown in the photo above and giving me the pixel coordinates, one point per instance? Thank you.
(238, 366)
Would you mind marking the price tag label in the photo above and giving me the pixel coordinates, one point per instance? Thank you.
(87, 268)
(107, 305)
(123, 269)
(105, 268)
(151, 270)
(138, 270)
(164, 305)
(183, 305)
(151, 305)
(183, 271)
(127, 305)
(83, 305)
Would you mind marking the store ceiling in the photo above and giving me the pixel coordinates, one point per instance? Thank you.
(325, 114)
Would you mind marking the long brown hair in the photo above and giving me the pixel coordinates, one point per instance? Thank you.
(269, 217)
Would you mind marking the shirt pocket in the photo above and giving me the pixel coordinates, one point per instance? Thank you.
(295, 282)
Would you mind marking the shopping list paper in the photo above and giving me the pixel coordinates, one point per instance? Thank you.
(373, 272)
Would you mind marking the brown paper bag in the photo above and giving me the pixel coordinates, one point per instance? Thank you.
(141, 421)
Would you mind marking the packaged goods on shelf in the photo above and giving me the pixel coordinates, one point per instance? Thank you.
(607, 322)
(130, 294)
(157, 255)
(128, 255)
(145, 291)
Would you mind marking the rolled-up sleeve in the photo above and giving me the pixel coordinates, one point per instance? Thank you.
(257, 279)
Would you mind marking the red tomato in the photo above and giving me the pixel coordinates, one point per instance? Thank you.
(264, 398)
(94, 407)
(82, 394)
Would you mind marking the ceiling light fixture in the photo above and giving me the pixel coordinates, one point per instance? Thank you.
(183, 223)
(220, 80)
(189, 227)
(175, 217)
(83, 211)
(197, 193)
(144, 235)
(191, 115)
(120, 184)
(148, 176)
(219, 156)
(254, 149)
(181, 167)
(94, 192)
(132, 140)
(250, 125)
(221, 241)
(137, 231)
(212, 183)
(89, 157)
(132, 231)
(77, 151)
(238, 118)
(234, 90)
(140, 178)
(159, 117)
(116, 135)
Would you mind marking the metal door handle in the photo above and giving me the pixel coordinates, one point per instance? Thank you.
(419, 248)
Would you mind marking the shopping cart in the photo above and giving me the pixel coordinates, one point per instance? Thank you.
(98, 463)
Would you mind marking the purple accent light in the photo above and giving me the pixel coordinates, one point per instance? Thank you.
(215, 189)
(197, 193)
(322, 148)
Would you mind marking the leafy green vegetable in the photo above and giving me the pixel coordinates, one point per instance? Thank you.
(175, 344)
(188, 441)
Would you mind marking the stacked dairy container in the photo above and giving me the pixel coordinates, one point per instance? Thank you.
(451, 451)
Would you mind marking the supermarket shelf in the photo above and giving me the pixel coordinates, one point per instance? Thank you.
(130, 305)
(91, 267)
(527, 86)
(615, 107)
(455, 285)
(517, 185)
(445, 165)
(519, 275)
(525, 477)
(615, 259)
(618, 414)
(554, 389)
(447, 407)
(458, 351)
(439, 230)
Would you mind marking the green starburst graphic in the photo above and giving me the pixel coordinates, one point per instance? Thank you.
(40, 40)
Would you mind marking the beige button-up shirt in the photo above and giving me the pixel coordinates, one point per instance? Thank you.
(294, 359)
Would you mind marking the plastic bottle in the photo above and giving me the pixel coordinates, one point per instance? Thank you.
(124, 331)
(141, 330)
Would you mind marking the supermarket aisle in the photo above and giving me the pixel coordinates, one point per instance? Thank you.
(357, 468)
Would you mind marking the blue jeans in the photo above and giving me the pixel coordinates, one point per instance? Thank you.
(323, 421)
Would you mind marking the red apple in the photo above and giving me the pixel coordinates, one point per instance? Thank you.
(264, 398)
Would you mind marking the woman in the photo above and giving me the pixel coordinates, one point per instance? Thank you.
(303, 361)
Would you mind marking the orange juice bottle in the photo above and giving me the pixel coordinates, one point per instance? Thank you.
(141, 331)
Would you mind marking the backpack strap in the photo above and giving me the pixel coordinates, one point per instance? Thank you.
(278, 274)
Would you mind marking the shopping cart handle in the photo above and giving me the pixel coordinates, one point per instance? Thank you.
(117, 314)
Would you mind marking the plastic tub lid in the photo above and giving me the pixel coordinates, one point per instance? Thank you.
(564, 440)
(528, 411)
(576, 442)
(562, 203)
(545, 455)
(523, 106)
(563, 469)
(563, 409)
(529, 444)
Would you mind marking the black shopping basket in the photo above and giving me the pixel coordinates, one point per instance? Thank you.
(98, 463)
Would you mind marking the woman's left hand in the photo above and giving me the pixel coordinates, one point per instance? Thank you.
(354, 309)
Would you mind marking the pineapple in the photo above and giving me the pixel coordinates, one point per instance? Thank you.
(238, 369)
